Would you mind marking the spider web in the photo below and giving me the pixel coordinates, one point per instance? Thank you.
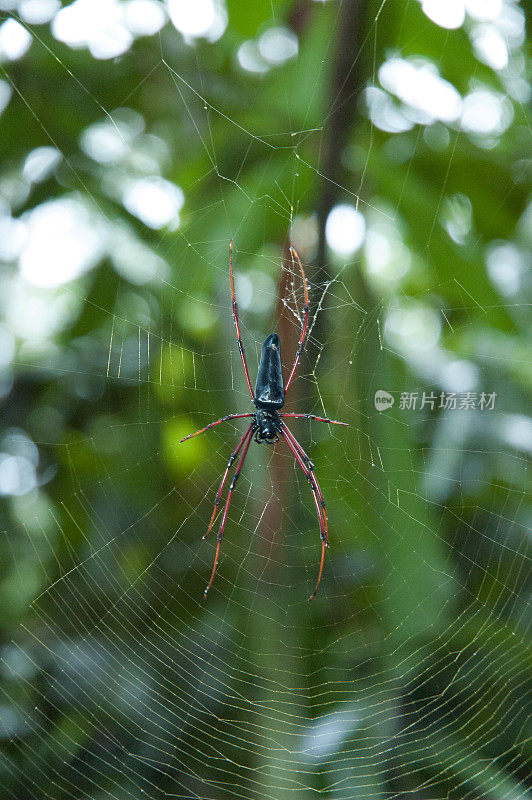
(409, 673)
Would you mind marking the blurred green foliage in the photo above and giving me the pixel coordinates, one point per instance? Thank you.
(409, 674)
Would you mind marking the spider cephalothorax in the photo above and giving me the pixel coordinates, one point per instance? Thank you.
(267, 422)
(267, 426)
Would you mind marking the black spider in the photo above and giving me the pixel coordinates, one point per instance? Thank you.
(267, 422)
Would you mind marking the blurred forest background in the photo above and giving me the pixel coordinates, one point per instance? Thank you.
(390, 143)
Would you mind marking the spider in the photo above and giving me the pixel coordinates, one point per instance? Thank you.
(267, 423)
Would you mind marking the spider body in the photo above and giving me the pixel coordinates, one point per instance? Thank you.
(267, 422)
(269, 392)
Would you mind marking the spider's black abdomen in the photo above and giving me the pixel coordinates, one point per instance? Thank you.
(269, 388)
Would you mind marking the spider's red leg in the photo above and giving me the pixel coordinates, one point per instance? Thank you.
(310, 466)
(238, 470)
(302, 338)
(318, 499)
(212, 424)
(235, 320)
(323, 526)
(318, 419)
(222, 484)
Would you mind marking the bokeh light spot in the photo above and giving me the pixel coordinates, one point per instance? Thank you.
(63, 242)
(445, 13)
(155, 201)
(200, 19)
(40, 163)
(251, 59)
(96, 24)
(37, 12)
(345, 229)
(144, 17)
(15, 40)
(418, 84)
(278, 44)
